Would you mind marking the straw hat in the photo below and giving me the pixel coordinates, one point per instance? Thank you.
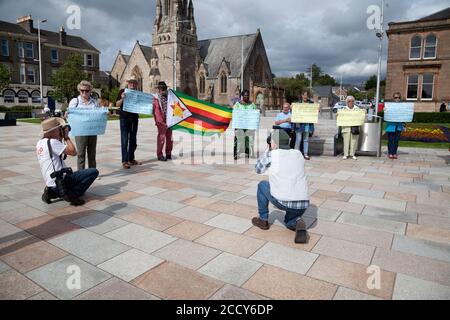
(52, 124)
(132, 79)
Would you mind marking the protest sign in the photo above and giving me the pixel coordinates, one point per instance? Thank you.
(305, 113)
(88, 121)
(138, 102)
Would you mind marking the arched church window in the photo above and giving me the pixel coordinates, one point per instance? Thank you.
(202, 83)
(223, 83)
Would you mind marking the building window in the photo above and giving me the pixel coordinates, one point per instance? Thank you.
(166, 7)
(31, 75)
(89, 60)
(186, 77)
(9, 96)
(20, 49)
(55, 56)
(427, 86)
(36, 97)
(413, 87)
(22, 74)
(29, 52)
(202, 84)
(23, 96)
(416, 48)
(430, 47)
(223, 83)
(5, 48)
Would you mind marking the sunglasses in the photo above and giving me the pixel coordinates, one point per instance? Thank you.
(397, 98)
(85, 91)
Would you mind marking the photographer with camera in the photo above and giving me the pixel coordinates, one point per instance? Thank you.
(60, 181)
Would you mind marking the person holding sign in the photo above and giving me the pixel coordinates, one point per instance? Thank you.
(394, 131)
(350, 133)
(85, 143)
(244, 139)
(164, 133)
(129, 123)
(303, 131)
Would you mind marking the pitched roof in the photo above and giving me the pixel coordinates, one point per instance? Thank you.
(48, 36)
(213, 51)
(323, 91)
(147, 52)
(440, 15)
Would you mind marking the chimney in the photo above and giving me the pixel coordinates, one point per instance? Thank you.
(26, 22)
(62, 36)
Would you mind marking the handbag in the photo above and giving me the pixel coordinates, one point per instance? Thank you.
(355, 131)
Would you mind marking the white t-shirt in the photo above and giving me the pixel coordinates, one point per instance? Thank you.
(287, 176)
(79, 103)
(46, 163)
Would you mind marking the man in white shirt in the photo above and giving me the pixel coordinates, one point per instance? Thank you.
(54, 131)
(287, 188)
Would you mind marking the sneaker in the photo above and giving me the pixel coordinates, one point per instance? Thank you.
(354, 158)
(264, 225)
(344, 158)
(126, 165)
(301, 235)
(74, 201)
(49, 195)
(307, 158)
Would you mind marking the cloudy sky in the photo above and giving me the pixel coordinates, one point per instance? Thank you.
(296, 33)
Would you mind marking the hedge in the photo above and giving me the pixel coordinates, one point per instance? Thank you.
(18, 108)
(429, 117)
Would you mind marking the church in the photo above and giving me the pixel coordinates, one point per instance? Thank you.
(213, 69)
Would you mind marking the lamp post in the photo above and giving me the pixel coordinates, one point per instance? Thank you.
(380, 36)
(40, 59)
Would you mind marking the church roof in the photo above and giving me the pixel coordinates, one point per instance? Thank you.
(441, 15)
(213, 51)
(48, 36)
(147, 52)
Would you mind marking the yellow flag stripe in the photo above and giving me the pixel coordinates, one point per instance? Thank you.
(198, 128)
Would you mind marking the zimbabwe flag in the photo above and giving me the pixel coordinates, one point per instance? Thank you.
(207, 119)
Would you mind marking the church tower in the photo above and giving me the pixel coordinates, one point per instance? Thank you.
(175, 40)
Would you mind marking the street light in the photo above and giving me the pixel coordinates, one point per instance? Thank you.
(40, 59)
(380, 36)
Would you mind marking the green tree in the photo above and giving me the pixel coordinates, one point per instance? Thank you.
(5, 77)
(110, 94)
(66, 78)
(371, 83)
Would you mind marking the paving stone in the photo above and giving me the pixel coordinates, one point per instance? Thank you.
(409, 288)
(229, 292)
(151, 191)
(428, 233)
(229, 196)
(364, 192)
(400, 196)
(15, 286)
(47, 227)
(332, 195)
(373, 223)
(428, 209)
(174, 195)
(100, 223)
(151, 219)
(116, 289)
(195, 214)
(413, 265)
(235, 209)
(200, 202)
(43, 296)
(351, 275)
(392, 215)
(290, 259)
(187, 254)
(173, 282)
(11, 205)
(33, 256)
(231, 269)
(3, 267)
(130, 264)
(425, 248)
(380, 203)
(349, 294)
(89, 246)
(15, 216)
(156, 204)
(188, 230)
(141, 238)
(344, 250)
(230, 223)
(231, 242)
(322, 213)
(434, 221)
(343, 206)
(280, 284)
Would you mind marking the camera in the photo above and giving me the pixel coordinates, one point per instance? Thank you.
(59, 177)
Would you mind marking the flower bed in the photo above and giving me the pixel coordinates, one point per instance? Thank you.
(425, 133)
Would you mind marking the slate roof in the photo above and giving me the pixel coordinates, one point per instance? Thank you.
(147, 52)
(48, 36)
(440, 15)
(213, 51)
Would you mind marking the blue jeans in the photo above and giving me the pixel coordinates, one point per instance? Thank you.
(81, 180)
(302, 136)
(264, 197)
(128, 134)
(393, 138)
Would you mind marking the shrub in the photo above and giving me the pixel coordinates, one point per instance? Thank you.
(429, 117)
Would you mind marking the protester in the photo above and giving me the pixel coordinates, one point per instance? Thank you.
(88, 143)
(350, 134)
(164, 133)
(443, 107)
(51, 151)
(129, 123)
(394, 131)
(244, 140)
(287, 188)
(303, 131)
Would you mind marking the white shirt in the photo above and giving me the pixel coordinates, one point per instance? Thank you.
(79, 103)
(45, 161)
(287, 176)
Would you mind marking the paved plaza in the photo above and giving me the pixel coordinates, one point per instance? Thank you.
(378, 229)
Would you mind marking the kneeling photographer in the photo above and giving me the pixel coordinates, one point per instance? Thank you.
(60, 181)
